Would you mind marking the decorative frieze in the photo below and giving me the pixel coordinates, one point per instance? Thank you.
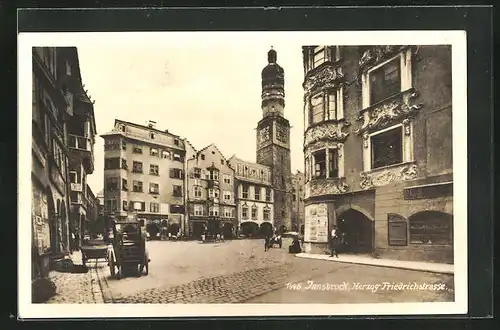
(328, 77)
(386, 113)
(378, 54)
(320, 187)
(328, 131)
(383, 177)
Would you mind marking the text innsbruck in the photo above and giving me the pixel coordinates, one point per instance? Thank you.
(356, 286)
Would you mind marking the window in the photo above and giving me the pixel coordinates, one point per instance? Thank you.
(227, 196)
(111, 205)
(213, 193)
(176, 142)
(111, 183)
(74, 177)
(152, 135)
(431, 228)
(257, 193)
(197, 192)
(228, 212)
(138, 206)
(319, 56)
(112, 145)
(385, 81)
(137, 150)
(317, 109)
(244, 193)
(320, 164)
(122, 128)
(198, 210)
(178, 158)
(213, 211)
(136, 167)
(214, 175)
(165, 154)
(137, 186)
(124, 206)
(124, 185)
(202, 157)
(333, 163)
(124, 145)
(244, 212)
(197, 173)
(176, 173)
(254, 212)
(267, 213)
(153, 152)
(154, 188)
(268, 194)
(387, 148)
(222, 162)
(112, 163)
(177, 191)
(154, 207)
(153, 169)
(332, 105)
(124, 164)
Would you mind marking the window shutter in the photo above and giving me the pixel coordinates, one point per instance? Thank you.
(143, 206)
(397, 230)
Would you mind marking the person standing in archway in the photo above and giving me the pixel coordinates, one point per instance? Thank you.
(334, 241)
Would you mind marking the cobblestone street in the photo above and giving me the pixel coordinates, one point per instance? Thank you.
(240, 271)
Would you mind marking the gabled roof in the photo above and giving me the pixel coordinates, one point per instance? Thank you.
(215, 147)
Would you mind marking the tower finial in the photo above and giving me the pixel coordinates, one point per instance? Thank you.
(271, 55)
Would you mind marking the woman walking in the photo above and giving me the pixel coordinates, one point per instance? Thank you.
(334, 242)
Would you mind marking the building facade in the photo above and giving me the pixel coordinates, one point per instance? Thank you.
(254, 197)
(144, 176)
(56, 82)
(298, 194)
(210, 199)
(378, 149)
(273, 140)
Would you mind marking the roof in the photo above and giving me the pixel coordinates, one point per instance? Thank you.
(241, 161)
(212, 145)
(119, 121)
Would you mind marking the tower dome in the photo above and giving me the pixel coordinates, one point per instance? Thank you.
(273, 80)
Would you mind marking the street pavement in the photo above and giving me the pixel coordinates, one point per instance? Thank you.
(240, 271)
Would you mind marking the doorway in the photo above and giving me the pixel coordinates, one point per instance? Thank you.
(356, 231)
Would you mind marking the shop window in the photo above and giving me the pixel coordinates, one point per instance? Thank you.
(387, 148)
(431, 228)
(385, 81)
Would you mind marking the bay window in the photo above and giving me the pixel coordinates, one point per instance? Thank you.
(333, 163)
(320, 164)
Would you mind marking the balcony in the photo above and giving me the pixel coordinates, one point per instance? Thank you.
(85, 148)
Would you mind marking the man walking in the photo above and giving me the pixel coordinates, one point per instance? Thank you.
(267, 242)
(334, 242)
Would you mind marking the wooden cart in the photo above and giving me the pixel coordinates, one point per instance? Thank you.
(94, 250)
(128, 252)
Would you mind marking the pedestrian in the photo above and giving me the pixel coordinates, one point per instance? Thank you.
(334, 242)
(267, 242)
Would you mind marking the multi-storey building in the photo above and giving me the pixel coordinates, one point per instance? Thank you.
(254, 197)
(298, 181)
(56, 83)
(273, 140)
(81, 139)
(210, 198)
(144, 175)
(378, 149)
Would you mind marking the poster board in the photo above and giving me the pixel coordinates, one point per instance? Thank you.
(316, 223)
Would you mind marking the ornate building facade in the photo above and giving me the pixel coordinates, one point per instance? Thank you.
(144, 175)
(273, 140)
(254, 197)
(378, 149)
(57, 89)
(210, 200)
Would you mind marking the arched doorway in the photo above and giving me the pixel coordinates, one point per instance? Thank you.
(249, 228)
(52, 221)
(266, 229)
(356, 231)
(431, 228)
(227, 230)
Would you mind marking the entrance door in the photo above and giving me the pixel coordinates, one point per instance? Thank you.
(356, 232)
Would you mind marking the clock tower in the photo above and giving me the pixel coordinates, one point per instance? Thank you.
(273, 140)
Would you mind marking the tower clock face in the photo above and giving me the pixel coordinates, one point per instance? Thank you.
(264, 134)
(281, 134)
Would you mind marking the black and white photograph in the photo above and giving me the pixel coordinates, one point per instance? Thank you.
(242, 173)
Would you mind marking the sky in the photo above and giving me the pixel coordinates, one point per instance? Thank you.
(205, 92)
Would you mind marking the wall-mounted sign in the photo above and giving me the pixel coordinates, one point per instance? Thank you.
(316, 223)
